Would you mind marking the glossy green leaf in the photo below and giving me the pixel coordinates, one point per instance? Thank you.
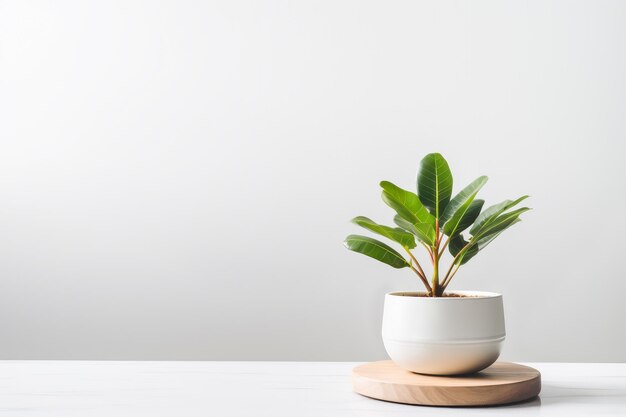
(405, 203)
(492, 212)
(425, 232)
(470, 215)
(376, 250)
(484, 241)
(488, 232)
(459, 205)
(406, 239)
(500, 223)
(434, 183)
(457, 243)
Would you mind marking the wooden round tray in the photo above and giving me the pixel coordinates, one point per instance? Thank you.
(501, 383)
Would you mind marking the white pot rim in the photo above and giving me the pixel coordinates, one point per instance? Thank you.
(471, 295)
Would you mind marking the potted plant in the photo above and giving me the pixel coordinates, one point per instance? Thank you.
(436, 331)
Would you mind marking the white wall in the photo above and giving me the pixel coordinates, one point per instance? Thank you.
(176, 177)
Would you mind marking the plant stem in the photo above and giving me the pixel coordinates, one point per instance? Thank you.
(429, 250)
(443, 248)
(449, 278)
(424, 280)
(435, 250)
(436, 275)
(416, 263)
(419, 273)
(459, 256)
(445, 278)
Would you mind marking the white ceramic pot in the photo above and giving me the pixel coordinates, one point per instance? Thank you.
(443, 335)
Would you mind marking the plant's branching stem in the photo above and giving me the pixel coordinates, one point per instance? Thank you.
(443, 248)
(458, 255)
(429, 250)
(435, 249)
(445, 278)
(424, 281)
(421, 273)
(448, 279)
(435, 284)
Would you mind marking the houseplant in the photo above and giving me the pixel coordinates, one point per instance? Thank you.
(436, 331)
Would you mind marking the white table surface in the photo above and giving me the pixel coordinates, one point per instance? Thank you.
(257, 389)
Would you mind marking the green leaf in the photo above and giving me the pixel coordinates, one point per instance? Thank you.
(434, 183)
(487, 233)
(375, 249)
(470, 215)
(425, 232)
(483, 242)
(397, 235)
(494, 211)
(457, 243)
(500, 223)
(405, 203)
(459, 205)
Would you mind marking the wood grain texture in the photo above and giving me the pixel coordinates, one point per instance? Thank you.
(501, 383)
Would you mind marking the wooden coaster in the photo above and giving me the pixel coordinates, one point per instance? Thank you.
(501, 383)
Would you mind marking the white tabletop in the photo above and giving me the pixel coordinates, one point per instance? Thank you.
(257, 389)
